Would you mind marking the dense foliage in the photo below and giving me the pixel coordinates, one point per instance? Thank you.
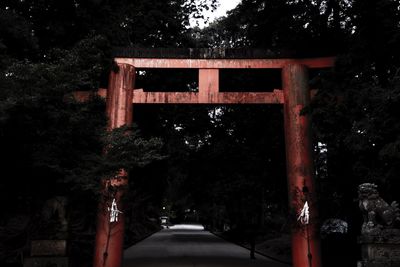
(52, 145)
(223, 166)
(355, 111)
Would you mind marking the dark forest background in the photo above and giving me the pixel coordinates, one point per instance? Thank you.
(221, 166)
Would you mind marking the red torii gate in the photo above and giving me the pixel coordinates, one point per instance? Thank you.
(295, 95)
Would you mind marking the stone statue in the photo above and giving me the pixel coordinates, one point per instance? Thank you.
(377, 213)
(380, 236)
(54, 217)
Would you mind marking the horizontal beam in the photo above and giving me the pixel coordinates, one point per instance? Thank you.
(326, 62)
(82, 96)
(140, 97)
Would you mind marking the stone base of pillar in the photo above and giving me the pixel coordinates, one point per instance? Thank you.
(47, 253)
(380, 248)
(46, 261)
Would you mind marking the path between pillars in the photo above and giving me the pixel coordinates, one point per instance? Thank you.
(188, 248)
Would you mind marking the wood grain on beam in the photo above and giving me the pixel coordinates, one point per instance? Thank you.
(140, 97)
(326, 62)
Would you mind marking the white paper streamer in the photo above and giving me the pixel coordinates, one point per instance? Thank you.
(304, 216)
(114, 211)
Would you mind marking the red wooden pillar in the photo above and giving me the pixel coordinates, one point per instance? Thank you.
(300, 167)
(110, 219)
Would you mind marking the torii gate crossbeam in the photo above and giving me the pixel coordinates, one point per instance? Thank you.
(295, 95)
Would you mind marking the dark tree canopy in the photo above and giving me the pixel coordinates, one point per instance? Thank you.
(227, 162)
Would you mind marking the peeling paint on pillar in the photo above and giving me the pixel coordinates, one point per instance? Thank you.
(110, 234)
(120, 95)
(300, 168)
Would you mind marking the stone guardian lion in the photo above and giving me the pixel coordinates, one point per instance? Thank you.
(377, 213)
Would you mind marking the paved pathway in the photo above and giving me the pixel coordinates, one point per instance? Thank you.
(189, 248)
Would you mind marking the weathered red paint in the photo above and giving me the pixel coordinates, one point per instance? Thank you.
(140, 97)
(119, 97)
(208, 85)
(225, 63)
(110, 235)
(300, 168)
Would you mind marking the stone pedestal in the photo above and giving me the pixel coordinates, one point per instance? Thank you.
(380, 249)
(47, 253)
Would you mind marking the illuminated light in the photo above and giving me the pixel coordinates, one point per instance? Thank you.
(187, 227)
